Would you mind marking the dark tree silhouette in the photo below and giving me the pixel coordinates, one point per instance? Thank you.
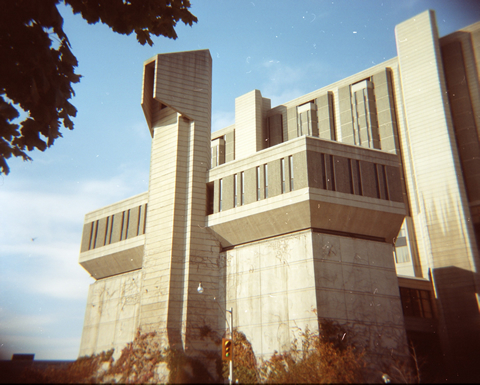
(37, 66)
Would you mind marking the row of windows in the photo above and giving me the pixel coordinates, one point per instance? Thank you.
(261, 183)
(117, 227)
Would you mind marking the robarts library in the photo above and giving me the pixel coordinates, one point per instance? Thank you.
(358, 202)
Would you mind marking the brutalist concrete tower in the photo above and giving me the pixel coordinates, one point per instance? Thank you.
(444, 183)
(178, 249)
(357, 203)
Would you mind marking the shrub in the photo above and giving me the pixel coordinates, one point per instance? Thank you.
(325, 357)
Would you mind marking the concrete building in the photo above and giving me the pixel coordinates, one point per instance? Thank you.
(358, 202)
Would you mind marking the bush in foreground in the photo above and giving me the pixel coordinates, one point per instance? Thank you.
(327, 356)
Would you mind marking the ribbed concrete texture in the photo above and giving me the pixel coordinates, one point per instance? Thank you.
(437, 193)
(357, 203)
(179, 251)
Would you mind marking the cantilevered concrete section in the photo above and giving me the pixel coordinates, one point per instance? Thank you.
(308, 210)
(333, 188)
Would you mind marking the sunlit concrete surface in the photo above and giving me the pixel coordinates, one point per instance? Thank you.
(358, 202)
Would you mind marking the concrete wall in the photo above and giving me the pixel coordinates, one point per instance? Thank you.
(356, 284)
(111, 315)
(279, 285)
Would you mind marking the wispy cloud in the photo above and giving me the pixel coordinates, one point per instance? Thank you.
(286, 82)
(41, 226)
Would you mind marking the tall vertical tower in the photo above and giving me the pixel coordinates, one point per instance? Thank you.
(178, 250)
(436, 188)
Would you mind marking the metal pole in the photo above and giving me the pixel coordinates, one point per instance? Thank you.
(230, 364)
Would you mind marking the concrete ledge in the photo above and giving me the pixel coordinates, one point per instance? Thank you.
(330, 211)
(117, 258)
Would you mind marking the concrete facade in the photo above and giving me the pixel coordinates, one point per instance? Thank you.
(358, 202)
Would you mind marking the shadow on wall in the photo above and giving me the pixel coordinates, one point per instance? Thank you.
(457, 300)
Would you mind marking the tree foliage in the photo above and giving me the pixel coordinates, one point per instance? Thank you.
(37, 69)
(323, 358)
(326, 356)
(244, 361)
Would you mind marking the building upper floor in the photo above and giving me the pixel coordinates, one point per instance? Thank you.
(337, 148)
(359, 110)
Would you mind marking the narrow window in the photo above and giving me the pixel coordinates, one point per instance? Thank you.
(123, 224)
(299, 124)
(127, 224)
(290, 169)
(258, 183)
(145, 219)
(210, 195)
(139, 219)
(95, 237)
(309, 122)
(235, 190)
(282, 171)
(221, 195)
(332, 171)
(111, 230)
(105, 237)
(265, 174)
(242, 187)
(91, 236)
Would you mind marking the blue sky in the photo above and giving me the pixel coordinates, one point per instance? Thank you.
(284, 48)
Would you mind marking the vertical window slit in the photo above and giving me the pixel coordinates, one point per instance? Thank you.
(111, 230)
(265, 174)
(221, 195)
(242, 187)
(359, 177)
(95, 238)
(332, 171)
(91, 236)
(258, 183)
(121, 227)
(235, 192)
(139, 218)
(290, 170)
(145, 219)
(127, 224)
(106, 231)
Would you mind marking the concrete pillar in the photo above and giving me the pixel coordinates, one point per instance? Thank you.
(437, 191)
